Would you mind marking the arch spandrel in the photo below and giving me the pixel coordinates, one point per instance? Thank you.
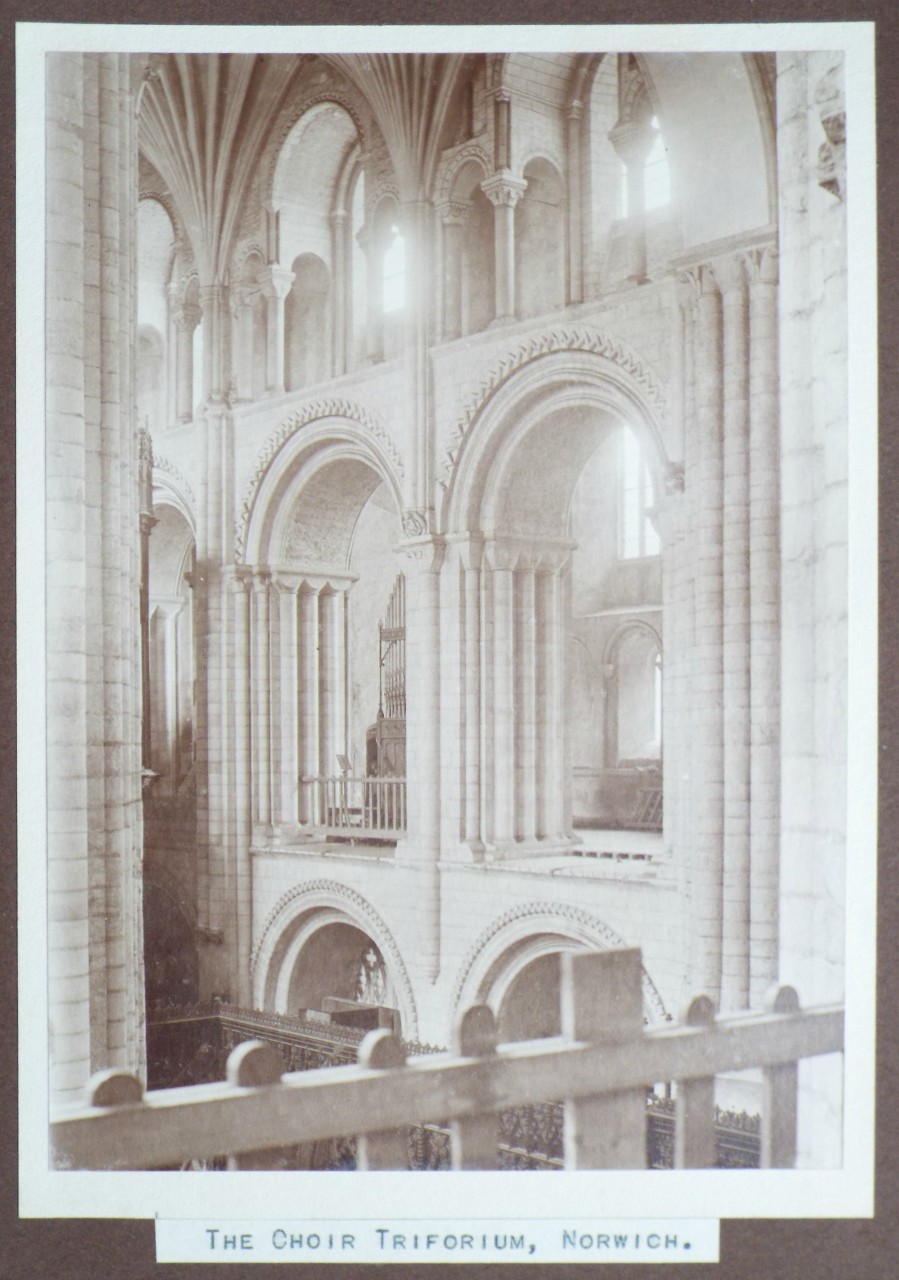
(307, 907)
(523, 934)
(572, 371)
(317, 435)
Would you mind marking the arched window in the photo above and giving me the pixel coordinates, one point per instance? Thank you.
(638, 680)
(656, 173)
(540, 241)
(656, 177)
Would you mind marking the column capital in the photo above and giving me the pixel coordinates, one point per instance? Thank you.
(236, 578)
(575, 109)
(502, 94)
(762, 265)
(423, 555)
(632, 140)
(275, 282)
(501, 189)
(730, 273)
(187, 317)
(454, 212)
(470, 550)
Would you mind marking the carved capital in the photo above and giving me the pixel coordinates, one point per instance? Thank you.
(730, 273)
(415, 522)
(762, 265)
(503, 190)
(187, 317)
(454, 212)
(423, 555)
(275, 282)
(145, 476)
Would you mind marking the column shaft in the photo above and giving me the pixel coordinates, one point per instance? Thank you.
(262, 760)
(525, 672)
(708, 835)
(736, 638)
(765, 657)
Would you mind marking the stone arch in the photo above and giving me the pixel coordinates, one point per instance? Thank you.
(541, 219)
(171, 487)
(639, 627)
(525, 933)
(329, 902)
(470, 153)
(335, 424)
(293, 113)
(564, 367)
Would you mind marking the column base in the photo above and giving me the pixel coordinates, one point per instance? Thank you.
(514, 850)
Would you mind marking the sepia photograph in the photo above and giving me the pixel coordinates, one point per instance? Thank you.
(457, 547)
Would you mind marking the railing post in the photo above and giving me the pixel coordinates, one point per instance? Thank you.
(780, 1087)
(381, 1051)
(474, 1139)
(252, 1065)
(694, 1133)
(602, 1002)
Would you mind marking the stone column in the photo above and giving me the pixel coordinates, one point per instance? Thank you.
(310, 762)
(525, 706)
(374, 253)
(454, 214)
(93, 673)
(503, 191)
(501, 565)
(708, 746)
(146, 520)
(238, 587)
(171, 351)
(212, 304)
(286, 708)
(244, 315)
(421, 846)
(341, 285)
(186, 320)
(275, 283)
(632, 140)
(574, 145)
(261, 687)
(764, 578)
(731, 278)
(416, 222)
(471, 554)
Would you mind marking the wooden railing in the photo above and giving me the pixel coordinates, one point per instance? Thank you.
(359, 808)
(601, 1066)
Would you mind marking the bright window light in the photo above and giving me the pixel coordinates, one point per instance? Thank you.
(394, 276)
(637, 536)
(656, 174)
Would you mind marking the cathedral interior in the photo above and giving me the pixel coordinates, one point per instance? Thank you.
(446, 538)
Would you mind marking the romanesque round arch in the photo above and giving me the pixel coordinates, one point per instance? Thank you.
(171, 486)
(470, 152)
(291, 115)
(573, 365)
(331, 902)
(522, 934)
(336, 423)
(632, 624)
